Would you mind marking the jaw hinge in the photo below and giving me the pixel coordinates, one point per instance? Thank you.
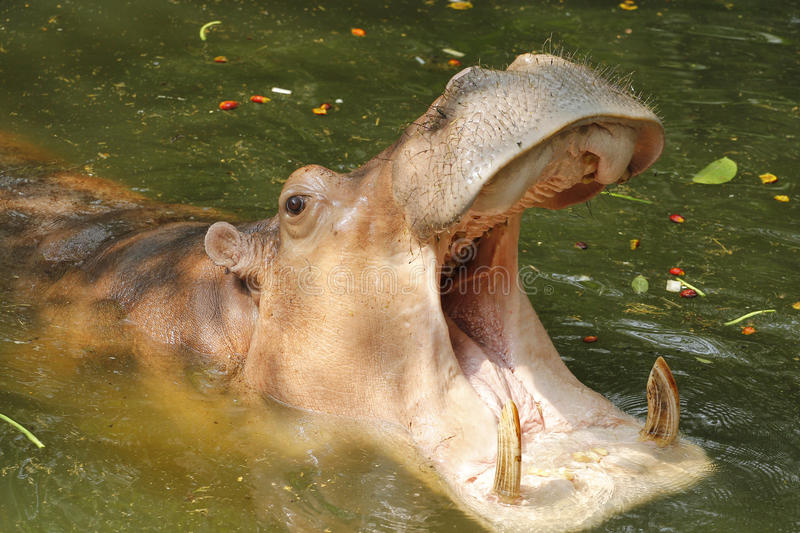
(509, 455)
(663, 406)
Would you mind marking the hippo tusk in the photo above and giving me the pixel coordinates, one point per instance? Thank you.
(509, 454)
(663, 406)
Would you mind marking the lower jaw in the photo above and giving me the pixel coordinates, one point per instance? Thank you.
(571, 476)
(576, 446)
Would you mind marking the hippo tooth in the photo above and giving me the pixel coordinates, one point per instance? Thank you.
(509, 454)
(663, 406)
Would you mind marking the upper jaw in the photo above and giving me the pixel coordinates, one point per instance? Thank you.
(499, 132)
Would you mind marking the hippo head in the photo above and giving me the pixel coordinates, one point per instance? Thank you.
(392, 293)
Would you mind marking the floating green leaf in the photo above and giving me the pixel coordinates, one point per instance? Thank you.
(719, 171)
(640, 284)
(704, 361)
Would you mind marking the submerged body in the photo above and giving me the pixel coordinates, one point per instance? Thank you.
(391, 293)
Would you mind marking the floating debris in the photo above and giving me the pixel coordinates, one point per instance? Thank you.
(768, 178)
(453, 62)
(454, 53)
(688, 293)
(628, 5)
(281, 91)
(640, 284)
(748, 330)
(581, 245)
(322, 109)
(624, 196)
(18, 426)
(635, 244)
(748, 315)
(419, 60)
(205, 27)
(781, 198)
(692, 287)
(673, 285)
(459, 6)
(220, 59)
(720, 171)
(358, 32)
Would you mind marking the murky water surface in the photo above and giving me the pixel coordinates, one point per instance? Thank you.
(128, 91)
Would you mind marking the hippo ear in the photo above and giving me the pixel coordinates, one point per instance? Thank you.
(228, 247)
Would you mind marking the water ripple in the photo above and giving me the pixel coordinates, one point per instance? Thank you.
(672, 340)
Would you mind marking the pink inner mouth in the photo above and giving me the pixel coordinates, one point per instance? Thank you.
(492, 377)
(479, 277)
(473, 305)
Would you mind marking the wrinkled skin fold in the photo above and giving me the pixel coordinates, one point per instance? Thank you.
(391, 293)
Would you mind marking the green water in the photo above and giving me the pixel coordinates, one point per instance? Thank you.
(128, 91)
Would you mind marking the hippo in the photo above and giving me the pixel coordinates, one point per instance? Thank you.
(390, 293)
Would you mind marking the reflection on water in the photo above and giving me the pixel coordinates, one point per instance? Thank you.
(126, 448)
(128, 91)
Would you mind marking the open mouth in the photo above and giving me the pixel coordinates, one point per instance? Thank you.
(479, 259)
(480, 295)
(544, 133)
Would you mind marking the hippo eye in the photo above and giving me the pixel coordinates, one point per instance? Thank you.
(295, 204)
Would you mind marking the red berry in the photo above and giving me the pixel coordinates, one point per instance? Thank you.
(748, 330)
(582, 245)
(675, 271)
(688, 293)
(258, 99)
(590, 338)
(678, 219)
(227, 105)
